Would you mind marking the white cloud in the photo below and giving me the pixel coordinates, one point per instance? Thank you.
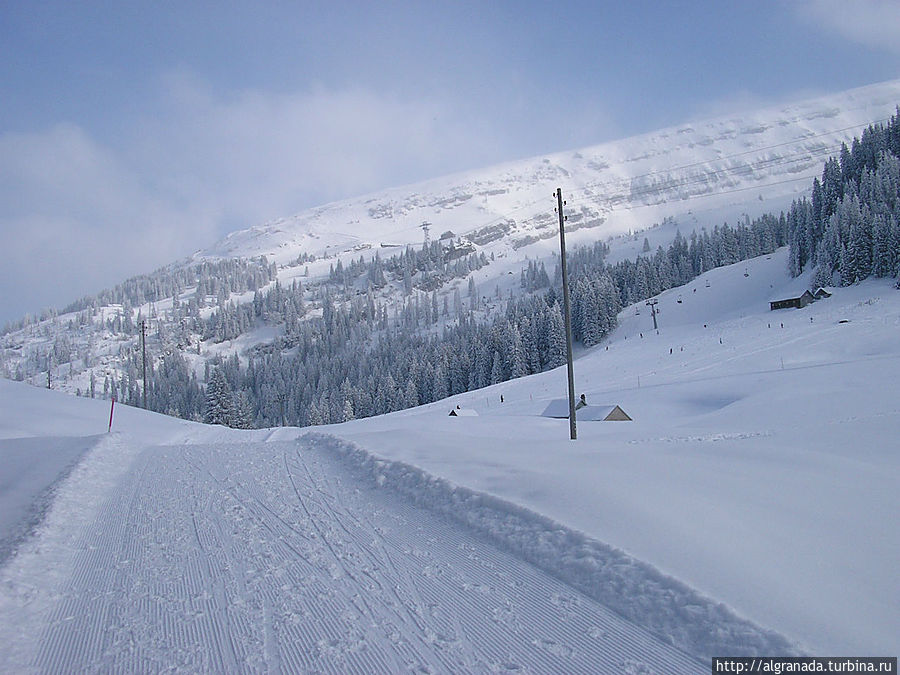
(735, 103)
(742, 102)
(263, 154)
(75, 218)
(80, 212)
(874, 23)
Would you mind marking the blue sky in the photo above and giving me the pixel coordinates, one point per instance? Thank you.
(133, 133)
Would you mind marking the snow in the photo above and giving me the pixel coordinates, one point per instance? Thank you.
(750, 508)
(220, 551)
(761, 470)
(32, 467)
(633, 590)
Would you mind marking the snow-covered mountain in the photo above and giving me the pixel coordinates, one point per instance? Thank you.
(749, 507)
(700, 173)
(684, 178)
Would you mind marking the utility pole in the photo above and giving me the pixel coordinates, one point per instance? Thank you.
(652, 303)
(567, 315)
(112, 406)
(49, 367)
(144, 357)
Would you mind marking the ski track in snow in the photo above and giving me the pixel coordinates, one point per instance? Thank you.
(282, 557)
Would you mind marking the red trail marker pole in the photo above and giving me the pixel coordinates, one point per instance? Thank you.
(112, 407)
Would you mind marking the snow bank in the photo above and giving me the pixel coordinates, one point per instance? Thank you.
(635, 590)
(31, 581)
(31, 469)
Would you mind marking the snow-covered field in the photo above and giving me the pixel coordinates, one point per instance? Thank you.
(761, 470)
(750, 507)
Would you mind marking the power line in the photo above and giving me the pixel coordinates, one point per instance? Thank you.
(144, 357)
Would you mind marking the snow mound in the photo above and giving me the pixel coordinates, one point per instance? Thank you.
(34, 578)
(635, 590)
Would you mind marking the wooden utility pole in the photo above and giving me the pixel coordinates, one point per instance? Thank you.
(567, 314)
(144, 357)
(49, 367)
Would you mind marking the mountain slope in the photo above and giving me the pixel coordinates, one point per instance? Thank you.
(720, 167)
(492, 224)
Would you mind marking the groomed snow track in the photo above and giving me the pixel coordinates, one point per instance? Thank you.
(285, 557)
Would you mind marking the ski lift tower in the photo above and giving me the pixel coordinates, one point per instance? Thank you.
(425, 226)
(652, 304)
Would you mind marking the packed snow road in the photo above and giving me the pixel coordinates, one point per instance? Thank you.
(279, 557)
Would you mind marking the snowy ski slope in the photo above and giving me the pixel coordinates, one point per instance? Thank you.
(268, 557)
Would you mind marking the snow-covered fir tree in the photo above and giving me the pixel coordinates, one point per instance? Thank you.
(218, 407)
(849, 225)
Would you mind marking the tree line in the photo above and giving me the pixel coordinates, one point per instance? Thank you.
(356, 361)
